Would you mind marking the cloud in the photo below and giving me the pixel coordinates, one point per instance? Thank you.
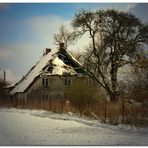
(45, 26)
(5, 54)
(81, 44)
(25, 54)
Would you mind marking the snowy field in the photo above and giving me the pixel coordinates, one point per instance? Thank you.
(32, 127)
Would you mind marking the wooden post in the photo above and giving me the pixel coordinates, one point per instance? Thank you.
(61, 105)
(105, 111)
(40, 103)
(16, 102)
(50, 103)
(23, 103)
(131, 117)
(123, 111)
(32, 104)
(75, 109)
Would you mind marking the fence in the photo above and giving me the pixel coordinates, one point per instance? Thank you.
(55, 105)
(106, 112)
(121, 112)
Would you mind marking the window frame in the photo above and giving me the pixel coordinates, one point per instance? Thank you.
(45, 82)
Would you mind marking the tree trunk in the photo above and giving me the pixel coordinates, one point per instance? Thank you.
(113, 74)
(113, 96)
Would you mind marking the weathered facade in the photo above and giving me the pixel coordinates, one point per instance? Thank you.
(51, 77)
(54, 87)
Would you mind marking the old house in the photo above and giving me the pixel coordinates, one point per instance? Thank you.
(51, 76)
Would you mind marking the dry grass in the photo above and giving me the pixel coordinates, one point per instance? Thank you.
(105, 112)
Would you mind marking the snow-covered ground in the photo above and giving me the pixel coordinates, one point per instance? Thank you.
(33, 127)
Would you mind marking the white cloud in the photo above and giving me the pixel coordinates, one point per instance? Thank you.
(5, 54)
(47, 25)
(81, 44)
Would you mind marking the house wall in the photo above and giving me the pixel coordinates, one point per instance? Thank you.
(20, 96)
(56, 88)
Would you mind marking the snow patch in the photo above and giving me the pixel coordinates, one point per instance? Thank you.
(60, 68)
(39, 127)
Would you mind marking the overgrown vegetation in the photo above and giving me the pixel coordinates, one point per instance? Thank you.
(82, 95)
(117, 39)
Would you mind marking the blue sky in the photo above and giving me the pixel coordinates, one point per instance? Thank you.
(26, 29)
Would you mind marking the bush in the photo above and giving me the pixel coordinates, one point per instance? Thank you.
(81, 96)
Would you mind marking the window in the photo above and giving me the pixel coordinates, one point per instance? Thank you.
(45, 97)
(45, 82)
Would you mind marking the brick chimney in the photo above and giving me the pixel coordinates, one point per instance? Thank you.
(47, 51)
(62, 46)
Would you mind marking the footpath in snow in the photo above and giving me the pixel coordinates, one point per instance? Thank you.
(39, 127)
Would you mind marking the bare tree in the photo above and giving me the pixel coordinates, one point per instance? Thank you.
(64, 36)
(77, 55)
(140, 84)
(117, 40)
